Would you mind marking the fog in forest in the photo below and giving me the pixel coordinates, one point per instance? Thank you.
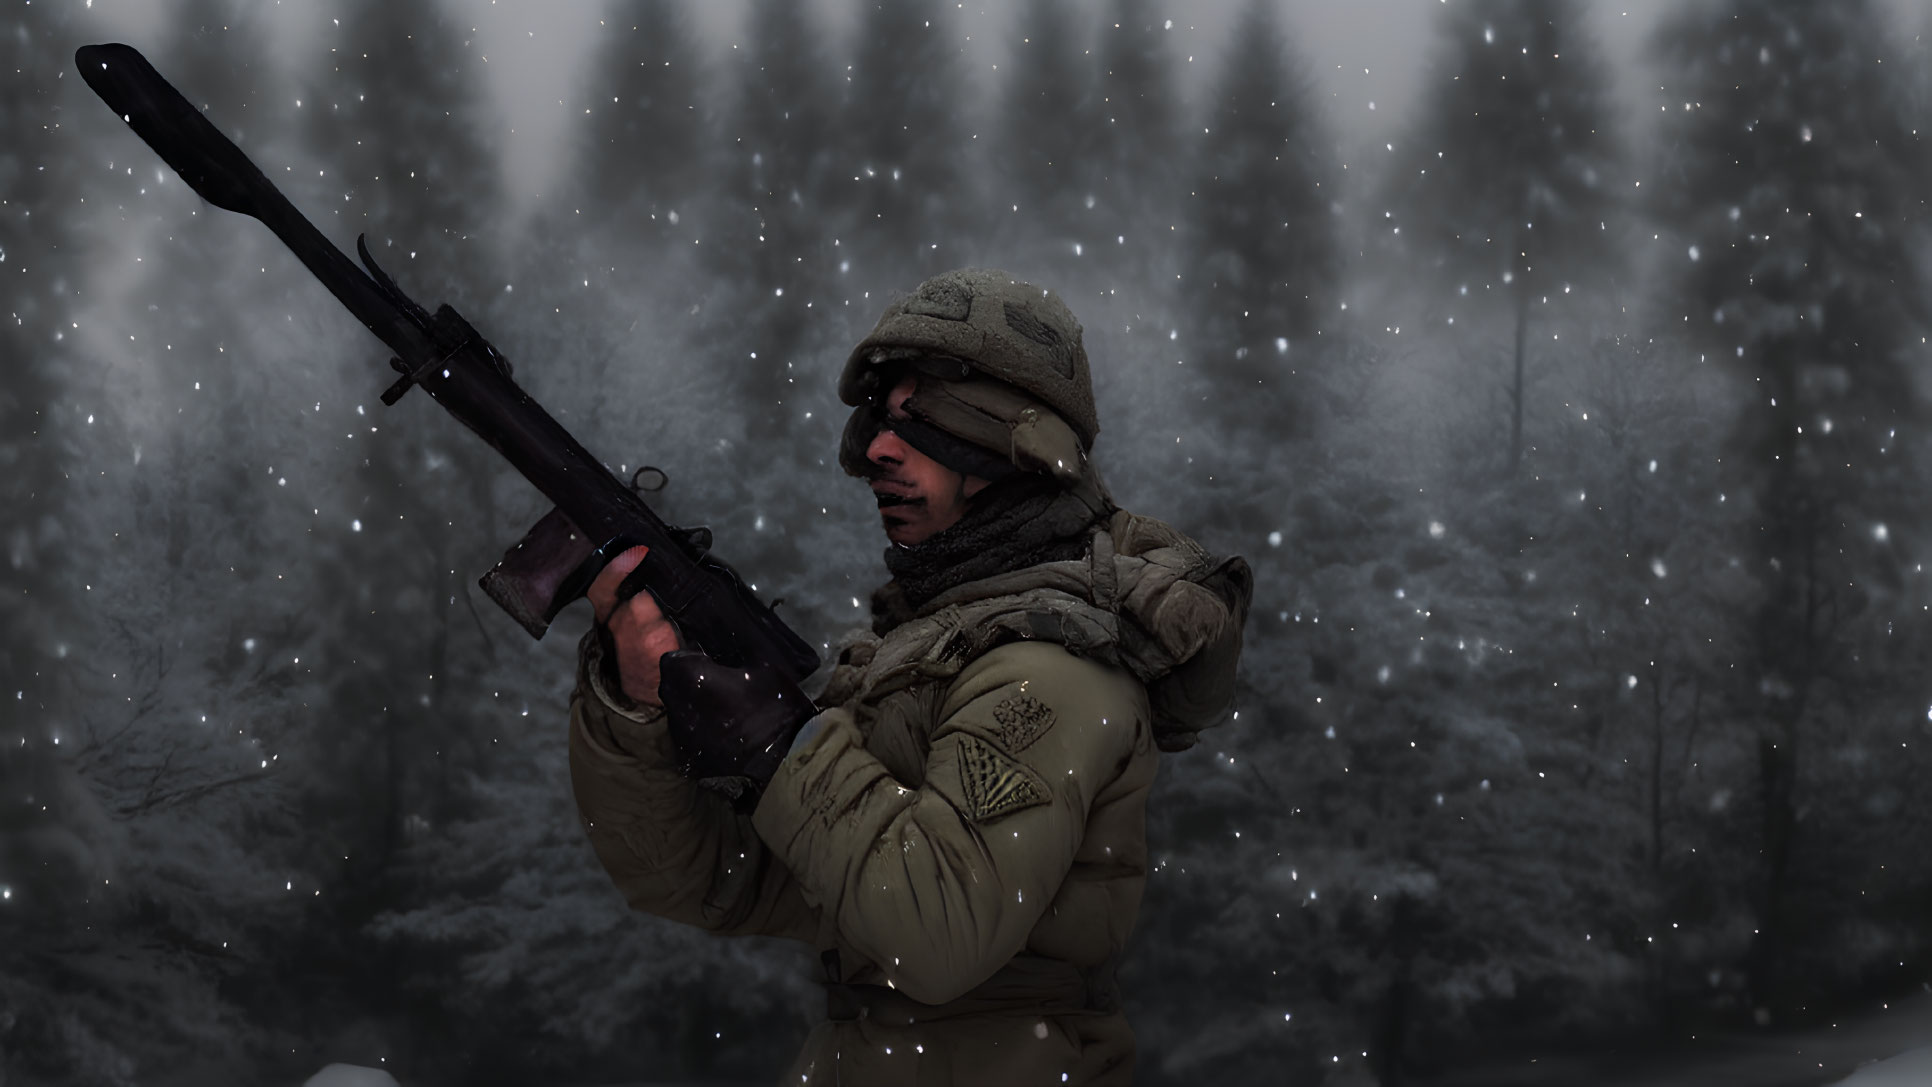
(1561, 370)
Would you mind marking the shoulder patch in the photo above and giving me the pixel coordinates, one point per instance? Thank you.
(1022, 719)
(994, 783)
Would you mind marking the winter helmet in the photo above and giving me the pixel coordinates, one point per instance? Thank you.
(1004, 329)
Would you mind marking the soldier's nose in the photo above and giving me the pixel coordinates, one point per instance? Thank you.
(886, 448)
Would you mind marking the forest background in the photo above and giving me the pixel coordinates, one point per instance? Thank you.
(1575, 431)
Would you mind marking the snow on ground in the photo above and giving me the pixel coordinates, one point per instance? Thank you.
(1912, 1069)
(351, 1075)
(1893, 1047)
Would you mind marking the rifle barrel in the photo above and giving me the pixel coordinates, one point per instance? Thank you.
(461, 371)
(220, 173)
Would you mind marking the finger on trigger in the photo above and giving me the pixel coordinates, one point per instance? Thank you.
(603, 588)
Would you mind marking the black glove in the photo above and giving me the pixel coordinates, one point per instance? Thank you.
(729, 722)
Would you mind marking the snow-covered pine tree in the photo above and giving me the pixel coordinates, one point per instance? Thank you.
(1137, 162)
(56, 845)
(1501, 197)
(776, 322)
(1140, 136)
(1789, 195)
(1633, 616)
(170, 731)
(644, 145)
(398, 126)
(902, 140)
(1045, 148)
(1263, 263)
(39, 268)
(777, 254)
(403, 142)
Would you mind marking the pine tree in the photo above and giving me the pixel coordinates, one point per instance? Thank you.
(1141, 124)
(777, 254)
(644, 147)
(37, 266)
(397, 124)
(775, 316)
(53, 839)
(543, 963)
(1789, 189)
(1629, 536)
(1132, 215)
(1264, 265)
(1047, 140)
(904, 143)
(1501, 198)
(1137, 157)
(405, 154)
(164, 806)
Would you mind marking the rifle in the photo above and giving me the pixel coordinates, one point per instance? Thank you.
(596, 517)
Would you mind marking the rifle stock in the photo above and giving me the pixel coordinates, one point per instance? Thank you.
(596, 517)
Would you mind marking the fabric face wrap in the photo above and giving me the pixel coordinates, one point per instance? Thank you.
(972, 425)
(957, 454)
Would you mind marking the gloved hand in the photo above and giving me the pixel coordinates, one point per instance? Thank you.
(729, 722)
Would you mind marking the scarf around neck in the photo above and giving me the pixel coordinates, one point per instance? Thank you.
(1021, 521)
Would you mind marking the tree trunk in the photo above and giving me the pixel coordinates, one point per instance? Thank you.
(1404, 940)
(1790, 656)
(1776, 771)
(1656, 770)
(1516, 383)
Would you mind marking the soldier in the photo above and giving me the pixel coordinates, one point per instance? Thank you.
(960, 830)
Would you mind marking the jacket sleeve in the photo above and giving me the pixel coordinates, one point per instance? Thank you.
(672, 848)
(940, 885)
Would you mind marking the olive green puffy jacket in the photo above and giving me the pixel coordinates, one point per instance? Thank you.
(966, 829)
